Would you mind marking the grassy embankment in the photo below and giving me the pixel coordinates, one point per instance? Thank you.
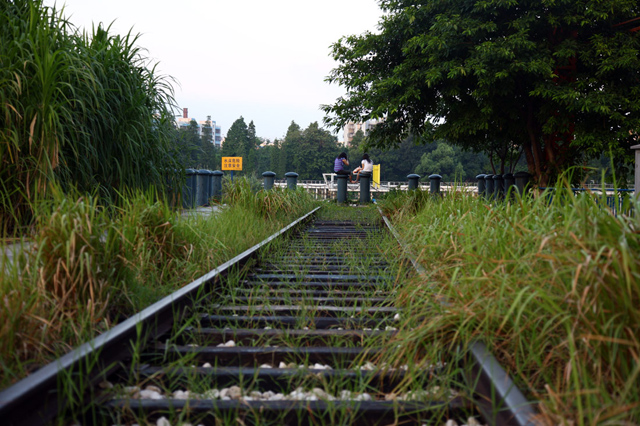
(552, 287)
(88, 267)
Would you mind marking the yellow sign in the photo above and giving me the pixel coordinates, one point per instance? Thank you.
(231, 163)
(376, 176)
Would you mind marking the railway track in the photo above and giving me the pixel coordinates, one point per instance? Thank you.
(295, 334)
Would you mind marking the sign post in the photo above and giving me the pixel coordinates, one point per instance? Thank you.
(231, 163)
(376, 176)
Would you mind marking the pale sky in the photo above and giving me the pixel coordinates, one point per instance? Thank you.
(265, 60)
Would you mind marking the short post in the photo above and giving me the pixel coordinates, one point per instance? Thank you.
(365, 188)
(522, 182)
(413, 181)
(488, 191)
(509, 183)
(481, 184)
(189, 190)
(202, 191)
(269, 177)
(342, 188)
(637, 170)
(434, 185)
(216, 185)
(498, 187)
(292, 180)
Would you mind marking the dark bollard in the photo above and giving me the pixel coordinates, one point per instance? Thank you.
(342, 188)
(434, 186)
(202, 191)
(269, 177)
(498, 187)
(216, 184)
(488, 190)
(413, 181)
(292, 180)
(365, 188)
(522, 182)
(509, 183)
(481, 184)
(189, 190)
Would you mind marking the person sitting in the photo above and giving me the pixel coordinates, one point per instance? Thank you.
(365, 167)
(340, 163)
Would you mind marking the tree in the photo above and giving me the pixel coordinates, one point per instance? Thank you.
(236, 141)
(443, 161)
(557, 78)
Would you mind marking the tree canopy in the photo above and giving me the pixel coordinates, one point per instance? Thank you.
(559, 79)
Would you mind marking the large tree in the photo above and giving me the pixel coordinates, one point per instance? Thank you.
(558, 78)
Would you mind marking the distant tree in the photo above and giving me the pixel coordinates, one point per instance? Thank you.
(236, 141)
(316, 151)
(443, 161)
(189, 147)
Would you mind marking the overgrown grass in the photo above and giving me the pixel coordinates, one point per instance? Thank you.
(86, 110)
(86, 267)
(551, 284)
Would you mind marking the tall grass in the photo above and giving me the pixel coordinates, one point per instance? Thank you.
(85, 110)
(89, 266)
(551, 283)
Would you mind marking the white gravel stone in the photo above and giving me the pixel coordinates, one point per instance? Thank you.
(320, 393)
(345, 394)
(471, 421)
(211, 394)
(388, 328)
(162, 421)
(153, 389)
(230, 344)
(268, 328)
(235, 392)
(363, 397)
(147, 394)
(282, 365)
(206, 365)
(179, 394)
(396, 317)
(368, 366)
(266, 366)
(451, 422)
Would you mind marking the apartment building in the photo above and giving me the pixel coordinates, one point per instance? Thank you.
(352, 128)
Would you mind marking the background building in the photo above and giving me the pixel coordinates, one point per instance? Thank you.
(352, 128)
(207, 127)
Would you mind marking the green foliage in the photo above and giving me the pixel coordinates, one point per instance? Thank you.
(551, 284)
(195, 151)
(558, 79)
(85, 110)
(442, 161)
(90, 266)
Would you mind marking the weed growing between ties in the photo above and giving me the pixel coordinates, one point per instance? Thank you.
(552, 284)
(88, 267)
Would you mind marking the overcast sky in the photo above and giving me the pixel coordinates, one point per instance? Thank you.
(265, 60)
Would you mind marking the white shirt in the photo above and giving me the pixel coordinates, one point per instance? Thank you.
(367, 166)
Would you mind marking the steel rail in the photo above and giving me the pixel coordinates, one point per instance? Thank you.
(497, 396)
(36, 399)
